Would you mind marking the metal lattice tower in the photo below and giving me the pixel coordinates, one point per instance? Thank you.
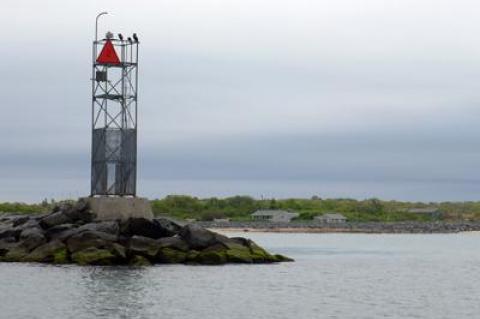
(114, 116)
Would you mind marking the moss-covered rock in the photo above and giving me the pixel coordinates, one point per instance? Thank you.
(31, 238)
(239, 254)
(211, 257)
(54, 251)
(60, 256)
(140, 245)
(93, 256)
(260, 255)
(5, 247)
(139, 261)
(171, 256)
(198, 237)
(174, 243)
(219, 247)
(69, 234)
(118, 250)
(17, 253)
(86, 239)
(192, 256)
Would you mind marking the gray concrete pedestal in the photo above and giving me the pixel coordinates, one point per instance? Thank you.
(113, 208)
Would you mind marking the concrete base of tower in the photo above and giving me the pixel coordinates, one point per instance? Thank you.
(122, 208)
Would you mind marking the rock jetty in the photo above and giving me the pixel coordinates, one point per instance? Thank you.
(70, 234)
(406, 227)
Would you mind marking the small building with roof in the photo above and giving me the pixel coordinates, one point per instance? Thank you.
(331, 218)
(273, 215)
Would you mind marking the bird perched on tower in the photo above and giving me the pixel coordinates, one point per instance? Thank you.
(135, 37)
(120, 36)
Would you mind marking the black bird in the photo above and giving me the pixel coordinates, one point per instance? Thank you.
(120, 36)
(129, 40)
(135, 37)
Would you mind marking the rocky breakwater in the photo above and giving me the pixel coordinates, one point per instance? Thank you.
(70, 234)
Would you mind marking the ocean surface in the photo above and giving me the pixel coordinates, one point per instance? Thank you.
(334, 276)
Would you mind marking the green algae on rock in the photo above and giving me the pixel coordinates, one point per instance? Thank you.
(93, 256)
(171, 256)
(139, 261)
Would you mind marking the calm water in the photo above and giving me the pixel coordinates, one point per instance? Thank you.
(335, 276)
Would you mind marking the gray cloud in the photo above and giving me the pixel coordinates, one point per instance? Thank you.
(340, 98)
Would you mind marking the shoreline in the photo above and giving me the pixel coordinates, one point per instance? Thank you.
(324, 231)
(355, 228)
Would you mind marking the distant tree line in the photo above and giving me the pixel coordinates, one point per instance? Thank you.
(240, 208)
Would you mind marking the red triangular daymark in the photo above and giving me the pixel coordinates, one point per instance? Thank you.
(108, 54)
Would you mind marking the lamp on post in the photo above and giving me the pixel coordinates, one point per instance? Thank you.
(96, 24)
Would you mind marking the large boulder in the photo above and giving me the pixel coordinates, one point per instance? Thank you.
(241, 240)
(16, 253)
(54, 219)
(198, 237)
(170, 256)
(192, 257)
(109, 227)
(170, 227)
(54, 251)
(139, 261)
(31, 238)
(144, 246)
(241, 250)
(211, 257)
(5, 246)
(61, 232)
(144, 227)
(8, 240)
(30, 223)
(176, 243)
(80, 212)
(260, 255)
(9, 231)
(224, 251)
(86, 239)
(20, 220)
(119, 251)
(239, 254)
(232, 243)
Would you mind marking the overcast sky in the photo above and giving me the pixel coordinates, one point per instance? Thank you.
(284, 98)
